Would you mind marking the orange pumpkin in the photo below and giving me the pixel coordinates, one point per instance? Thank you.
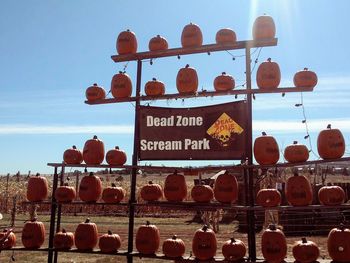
(158, 43)
(226, 188)
(234, 250)
(305, 78)
(147, 239)
(225, 36)
(94, 151)
(268, 198)
(175, 188)
(268, 76)
(65, 194)
(86, 235)
(305, 251)
(151, 192)
(121, 85)
(273, 245)
(109, 243)
(33, 234)
(224, 82)
(330, 143)
(113, 194)
(73, 156)
(191, 36)
(264, 28)
(202, 193)
(338, 244)
(331, 195)
(204, 243)
(154, 88)
(126, 42)
(7, 239)
(174, 247)
(95, 92)
(116, 156)
(187, 80)
(37, 189)
(296, 153)
(90, 188)
(266, 151)
(298, 191)
(63, 240)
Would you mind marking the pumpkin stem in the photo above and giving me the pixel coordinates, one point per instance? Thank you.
(223, 73)
(128, 30)
(329, 126)
(148, 223)
(34, 219)
(95, 84)
(116, 147)
(91, 174)
(150, 182)
(303, 239)
(187, 66)
(341, 226)
(64, 231)
(175, 172)
(174, 237)
(109, 232)
(306, 69)
(37, 174)
(74, 147)
(66, 184)
(154, 79)
(95, 137)
(264, 133)
(233, 240)
(120, 72)
(269, 59)
(87, 220)
(158, 35)
(295, 142)
(205, 228)
(272, 227)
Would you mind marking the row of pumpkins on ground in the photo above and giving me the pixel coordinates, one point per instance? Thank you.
(298, 191)
(204, 243)
(268, 77)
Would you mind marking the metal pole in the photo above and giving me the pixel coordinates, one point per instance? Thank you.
(132, 199)
(52, 217)
(7, 192)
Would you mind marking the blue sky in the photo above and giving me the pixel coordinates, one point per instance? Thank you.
(51, 51)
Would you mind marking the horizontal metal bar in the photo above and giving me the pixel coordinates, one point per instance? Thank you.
(77, 203)
(195, 50)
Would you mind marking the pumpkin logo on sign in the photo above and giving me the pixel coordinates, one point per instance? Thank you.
(224, 130)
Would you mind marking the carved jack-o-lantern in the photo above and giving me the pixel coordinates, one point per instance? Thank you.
(225, 36)
(202, 193)
(266, 150)
(273, 245)
(330, 143)
(298, 190)
(187, 80)
(174, 247)
(234, 250)
(268, 76)
(95, 92)
(33, 234)
(305, 251)
(305, 78)
(175, 188)
(268, 197)
(338, 244)
(224, 82)
(191, 36)
(204, 243)
(86, 235)
(151, 192)
(73, 156)
(331, 195)
(264, 27)
(157, 43)
(154, 88)
(121, 85)
(226, 188)
(147, 239)
(296, 153)
(126, 42)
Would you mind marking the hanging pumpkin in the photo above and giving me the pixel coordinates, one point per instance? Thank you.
(86, 235)
(273, 245)
(191, 36)
(147, 239)
(113, 194)
(187, 80)
(268, 197)
(126, 43)
(305, 251)
(175, 188)
(73, 156)
(109, 243)
(268, 76)
(94, 151)
(63, 240)
(8, 239)
(266, 151)
(224, 82)
(202, 193)
(234, 250)
(33, 234)
(296, 153)
(116, 156)
(264, 28)
(65, 194)
(226, 188)
(298, 191)
(330, 143)
(90, 188)
(305, 78)
(37, 189)
(338, 244)
(121, 85)
(173, 247)
(151, 192)
(95, 92)
(158, 43)
(154, 88)
(331, 195)
(225, 36)
(204, 243)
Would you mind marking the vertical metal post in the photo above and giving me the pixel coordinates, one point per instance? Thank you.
(59, 211)
(7, 191)
(132, 200)
(52, 217)
(249, 155)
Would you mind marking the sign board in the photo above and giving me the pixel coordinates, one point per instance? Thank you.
(214, 132)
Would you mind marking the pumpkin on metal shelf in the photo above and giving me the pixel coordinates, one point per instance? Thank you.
(224, 82)
(33, 234)
(73, 156)
(202, 193)
(191, 36)
(331, 195)
(109, 243)
(151, 192)
(298, 190)
(147, 239)
(8, 239)
(154, 88)
(158, 43)
(338, 244)
(90, 188)
(173, 247)
(95, 92)
(296, 153)
(175, 187)
(225, 187)
(37, 189)
(121, 85)
(225, 36)
(268, 76)
(116, 156)
(86, 235)
(234, 250)
(63, 240)
(94, 151)
(204, 243)
(266, 151)
(187, 80)
(330, 143)
(113, 194)
(273, 244)
(264, 27)
(126, 42)
(65, 193)
(305, 251)
(269, 197)
(305, 78)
